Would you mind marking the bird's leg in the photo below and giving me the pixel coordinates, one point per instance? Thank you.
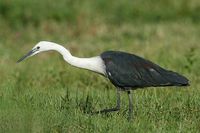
(130, 113)
(112, 109)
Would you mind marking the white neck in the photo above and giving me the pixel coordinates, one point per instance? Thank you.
(94, 63)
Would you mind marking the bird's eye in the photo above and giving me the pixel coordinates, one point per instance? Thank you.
(38, 47)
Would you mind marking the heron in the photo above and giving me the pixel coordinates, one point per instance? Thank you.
(125, 71)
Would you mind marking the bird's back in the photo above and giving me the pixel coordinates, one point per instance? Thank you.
(130, 71)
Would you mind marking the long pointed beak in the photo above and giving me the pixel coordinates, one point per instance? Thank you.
(26, 56)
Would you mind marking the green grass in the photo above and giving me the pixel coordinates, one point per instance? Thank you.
(45, 94)
(25, 12)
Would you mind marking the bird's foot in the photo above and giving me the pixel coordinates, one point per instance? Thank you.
(106, 110)
(130, 117)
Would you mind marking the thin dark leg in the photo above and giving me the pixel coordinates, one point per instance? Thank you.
(130, 113)
(111, 109)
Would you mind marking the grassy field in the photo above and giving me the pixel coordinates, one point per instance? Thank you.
(45, 94)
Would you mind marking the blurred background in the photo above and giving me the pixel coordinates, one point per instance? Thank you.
(166, 32)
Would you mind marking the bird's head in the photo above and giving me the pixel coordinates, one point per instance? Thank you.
(39, 47)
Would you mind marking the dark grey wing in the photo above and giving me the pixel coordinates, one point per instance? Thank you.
(130, 71)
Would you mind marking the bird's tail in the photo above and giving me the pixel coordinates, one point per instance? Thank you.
(176, 79)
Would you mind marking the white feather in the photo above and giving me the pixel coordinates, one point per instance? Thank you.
(95, 64)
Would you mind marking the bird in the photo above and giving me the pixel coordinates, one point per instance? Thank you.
(124, 70)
